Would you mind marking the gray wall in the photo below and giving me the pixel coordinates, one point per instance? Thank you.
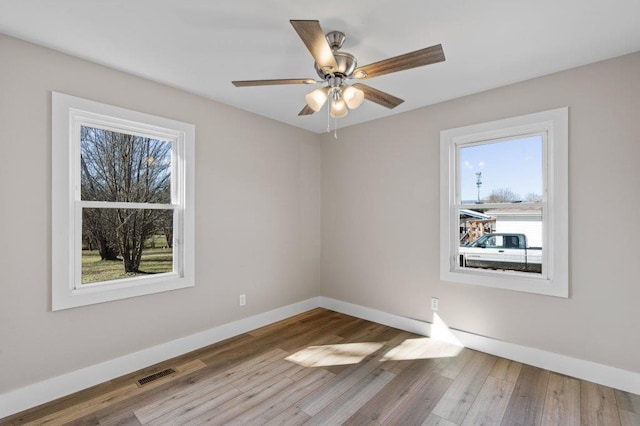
(258, 216)
(380, 217)
(257, 219)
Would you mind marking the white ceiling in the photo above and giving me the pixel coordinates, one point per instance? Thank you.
(202, 45)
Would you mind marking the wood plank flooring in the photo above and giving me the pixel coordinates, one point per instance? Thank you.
(327, 368)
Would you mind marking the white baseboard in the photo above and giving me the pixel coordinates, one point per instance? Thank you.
(39, 393)
(574, 367)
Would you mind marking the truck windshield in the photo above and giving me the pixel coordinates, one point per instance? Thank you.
(489, 241)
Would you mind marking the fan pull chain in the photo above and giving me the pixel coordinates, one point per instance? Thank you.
(328, 116)
(335, 128)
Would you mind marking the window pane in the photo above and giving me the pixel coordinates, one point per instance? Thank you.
(508, 171)
(504, 239)
(125, 243)
(125, 168)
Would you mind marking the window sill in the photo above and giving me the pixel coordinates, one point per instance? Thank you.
(507, 280)
(116, 290)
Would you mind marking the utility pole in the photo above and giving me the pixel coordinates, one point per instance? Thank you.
(479, 183)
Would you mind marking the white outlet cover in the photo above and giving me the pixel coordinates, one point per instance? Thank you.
(434, 304)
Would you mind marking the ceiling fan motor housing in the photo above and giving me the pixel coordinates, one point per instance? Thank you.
(346, 65)
(346, 61)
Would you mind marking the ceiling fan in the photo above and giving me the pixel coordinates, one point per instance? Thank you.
(336, 68)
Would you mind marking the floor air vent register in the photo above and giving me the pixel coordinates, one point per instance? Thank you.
(155, 376)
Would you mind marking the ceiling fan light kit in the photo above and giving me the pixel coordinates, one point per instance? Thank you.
(342, 97)
(353, 97)
(317, 98)
(338, 107)
(336, 68)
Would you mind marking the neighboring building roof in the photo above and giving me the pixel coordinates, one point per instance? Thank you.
(474, 214)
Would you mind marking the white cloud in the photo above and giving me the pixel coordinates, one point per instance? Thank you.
(468, 165)
(481, 164)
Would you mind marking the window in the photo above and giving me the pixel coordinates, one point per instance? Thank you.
(504, 203)
(122, 203)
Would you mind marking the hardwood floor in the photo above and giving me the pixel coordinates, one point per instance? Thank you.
(327, 368)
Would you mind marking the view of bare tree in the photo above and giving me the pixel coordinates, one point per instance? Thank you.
(533, 197)
(502, 195)
(119, 167)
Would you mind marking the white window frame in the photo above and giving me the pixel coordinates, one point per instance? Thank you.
(69, 114)
(553, 126)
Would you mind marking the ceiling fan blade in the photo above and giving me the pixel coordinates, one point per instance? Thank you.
(306, 110)
(419, 58)
(313, 37)
(246, 83)
(378, 96)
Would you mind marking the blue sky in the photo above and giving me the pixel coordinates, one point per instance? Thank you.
(515, 164)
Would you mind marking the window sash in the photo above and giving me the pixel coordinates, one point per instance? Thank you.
(81, 119)
(87, 119)
(177, 248)
(462, 143)
(455, 263)
(479, 141)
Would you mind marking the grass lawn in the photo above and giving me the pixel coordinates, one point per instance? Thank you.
(154, 261)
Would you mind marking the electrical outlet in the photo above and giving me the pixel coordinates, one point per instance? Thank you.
(434, 304)
(243, 299)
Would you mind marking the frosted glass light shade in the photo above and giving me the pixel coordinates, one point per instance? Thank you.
(353, 97)
(338, 108)
(317, 98)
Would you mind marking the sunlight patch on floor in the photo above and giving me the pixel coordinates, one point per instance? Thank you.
(339, 354)
(421, 348)
(441, 344)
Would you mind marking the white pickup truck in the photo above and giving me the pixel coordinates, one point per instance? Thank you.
(502, 251)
